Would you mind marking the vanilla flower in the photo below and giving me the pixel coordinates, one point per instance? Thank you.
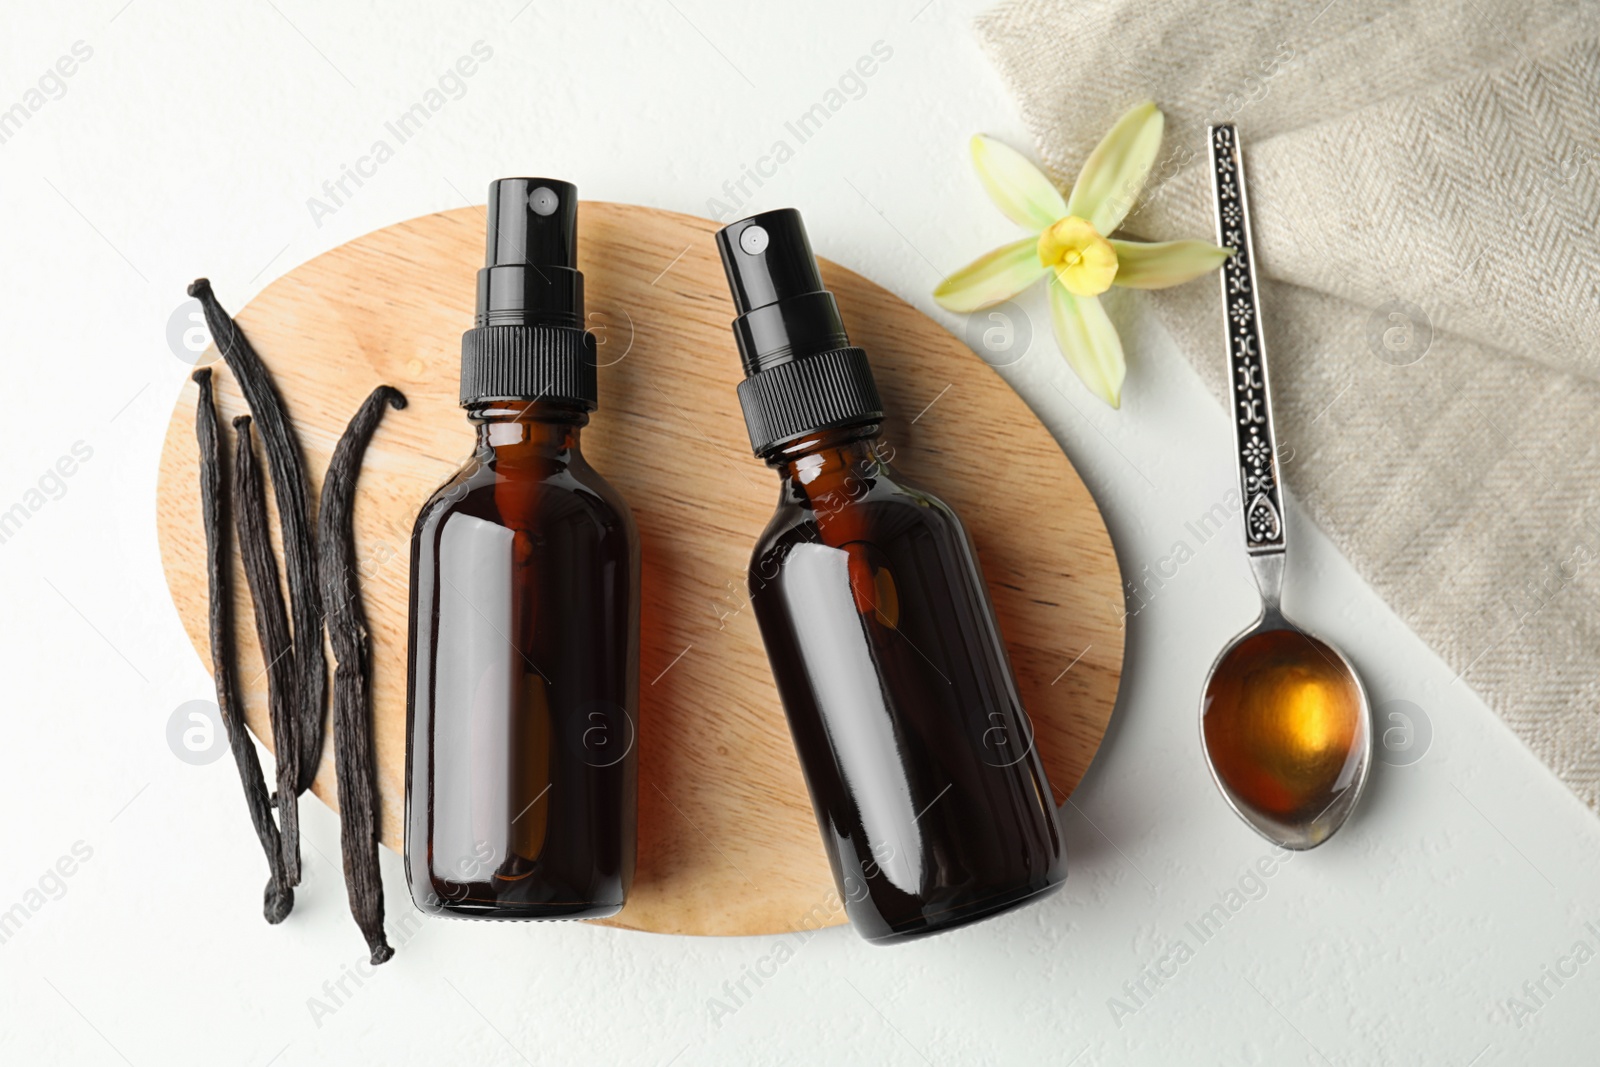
(1069, 241)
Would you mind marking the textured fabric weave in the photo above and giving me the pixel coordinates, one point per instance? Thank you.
(1420, 173)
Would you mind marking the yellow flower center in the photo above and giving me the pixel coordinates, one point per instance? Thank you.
(1084, 262)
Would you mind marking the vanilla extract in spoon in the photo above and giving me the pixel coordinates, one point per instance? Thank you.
(1284, 719)
(1284, 725)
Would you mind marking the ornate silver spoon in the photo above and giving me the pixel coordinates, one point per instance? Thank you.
(1284, 721)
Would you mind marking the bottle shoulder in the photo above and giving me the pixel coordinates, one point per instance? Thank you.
(881, 507)
(567, 493)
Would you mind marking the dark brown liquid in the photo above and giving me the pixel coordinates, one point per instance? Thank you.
(1284, 726)
(521, 782)
(932, 801)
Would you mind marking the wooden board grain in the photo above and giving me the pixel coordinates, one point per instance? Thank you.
(727, 840)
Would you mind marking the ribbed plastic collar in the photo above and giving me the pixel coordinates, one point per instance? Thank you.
(529, 363)
(806, 395)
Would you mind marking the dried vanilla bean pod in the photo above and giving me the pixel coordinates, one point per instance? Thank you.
(291, 490)
(272, 628)
(278, 898)
(352, 710)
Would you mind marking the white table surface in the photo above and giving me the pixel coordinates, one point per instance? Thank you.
(189, 143)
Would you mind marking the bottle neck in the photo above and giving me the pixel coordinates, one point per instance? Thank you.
(528, 429)
(829, 456)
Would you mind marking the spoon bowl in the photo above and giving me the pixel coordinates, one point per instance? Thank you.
(1284, 723)
(1284, 719)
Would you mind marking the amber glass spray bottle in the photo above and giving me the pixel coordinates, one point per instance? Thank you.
(522, 773)
(933, 805)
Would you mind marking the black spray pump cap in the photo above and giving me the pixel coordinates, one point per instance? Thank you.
(784, 311)
(530, 342)
(530, 272)
(801, 372)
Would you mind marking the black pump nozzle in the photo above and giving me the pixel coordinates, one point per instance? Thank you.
(801, 374)
(529, 342)
(530, 275)
(784, 312)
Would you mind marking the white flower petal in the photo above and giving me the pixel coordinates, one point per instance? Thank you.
(1016, 186)
(992, 277)
(1090, 343)
(1117, 168)
(1142, 265)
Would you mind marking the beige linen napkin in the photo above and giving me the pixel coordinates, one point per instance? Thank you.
(1425, 185)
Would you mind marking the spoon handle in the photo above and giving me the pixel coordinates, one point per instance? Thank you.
(1247, 353)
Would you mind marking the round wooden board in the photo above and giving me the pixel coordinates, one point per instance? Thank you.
(727, 840)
